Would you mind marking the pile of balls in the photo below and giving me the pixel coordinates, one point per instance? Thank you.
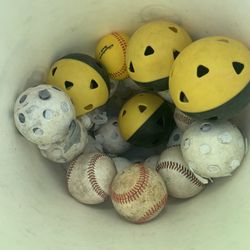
(156, 90)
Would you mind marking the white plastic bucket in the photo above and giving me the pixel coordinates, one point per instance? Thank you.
(36, 211)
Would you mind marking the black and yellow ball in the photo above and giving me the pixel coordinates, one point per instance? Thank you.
(83, 78)
(151, 52)
(146, 120)
(210, 79)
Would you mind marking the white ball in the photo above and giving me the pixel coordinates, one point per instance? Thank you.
(71, 146)
(182, 120)
(89, 177)
(213, 149)
(151, 162)
(179, 179)
(121, 163)
(138, 193)
(175, 138)
(43, 114)
(86, 121)
(110, 137)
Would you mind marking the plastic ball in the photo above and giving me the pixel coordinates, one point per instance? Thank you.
(175, 138)
(43, 114)
(213, 149)
(146, 120)
(109, 136)
(111, 52)
(151, 52)
(83, 78)
(72, 146)
(210, 79)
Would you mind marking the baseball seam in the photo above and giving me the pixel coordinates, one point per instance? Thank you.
(182, 118)
(153, 210)
(181, 169)
(71, 166)
(92, 177)
(123, 45)
(136, 191)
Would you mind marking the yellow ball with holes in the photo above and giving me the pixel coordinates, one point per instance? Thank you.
(210, 79)
(111, 52)
(146, 120)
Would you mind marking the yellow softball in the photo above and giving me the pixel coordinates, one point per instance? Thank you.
(111, 52)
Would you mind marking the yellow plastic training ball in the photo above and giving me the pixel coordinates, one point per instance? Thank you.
(111, 52)
(151, 52)
(146, 120)
(83, 78)
(210, 79)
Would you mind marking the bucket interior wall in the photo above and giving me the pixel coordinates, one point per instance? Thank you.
(36, 211)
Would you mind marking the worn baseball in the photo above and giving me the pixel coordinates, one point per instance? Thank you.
(121, 163)
(213, 148)
(182, 120)
(138, 193)
(180, 181)
(111, 52)
(89, 177)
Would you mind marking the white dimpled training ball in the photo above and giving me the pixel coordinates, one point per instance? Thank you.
(182, 120)
(43, 114)
(89, 177)
(121, 163)
(110, 137)
(151, 161)
(179, 179)
(213, 149)
(70, 147)
(175, 138)
(138, 193)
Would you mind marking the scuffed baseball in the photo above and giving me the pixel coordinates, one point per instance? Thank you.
(179, 179)
(72, 145)
(89, 177)
(213, 149)
(121, 163)
(138, 193)
(182, 120)
(151, 162)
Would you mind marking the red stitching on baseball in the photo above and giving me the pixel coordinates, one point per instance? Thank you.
(92, 177)
(183, 118)
(135, 191)
(123, 44)
(71, 166)
(181, 169)
(153, 210)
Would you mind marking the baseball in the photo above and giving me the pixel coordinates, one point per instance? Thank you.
(89, 177)
(138, 193)
(111, 52)
(213, 148)
(182, 120)
(179, 179)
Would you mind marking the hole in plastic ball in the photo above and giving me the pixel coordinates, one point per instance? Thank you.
(21, 118)
(44, 94)
(175, 53)
(22, 99)
(68, 85)
(174, 29)
(238, 67)
(149, 51)
(65, 107)
(124, 112)
(47, 114)
(142, 108)
(115, 123)
(202, 70)
(89, 107)
(131, 67)
(176, 137)
(205, 127)
(38, 131)
(183, 97)
(93, 84)
(54, 71)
